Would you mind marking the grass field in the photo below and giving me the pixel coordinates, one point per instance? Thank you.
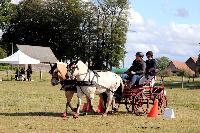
(36, 107)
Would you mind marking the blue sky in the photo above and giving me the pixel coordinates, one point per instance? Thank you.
(163, 11)
(167, 27)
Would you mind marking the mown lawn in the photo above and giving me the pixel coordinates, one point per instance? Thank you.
(36, 107)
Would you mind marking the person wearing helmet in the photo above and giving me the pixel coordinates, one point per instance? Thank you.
(136, 71)
(150, 72)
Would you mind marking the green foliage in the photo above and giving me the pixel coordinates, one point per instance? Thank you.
(162, 63)
(2, 53)
(165, 73)
(94, 32)
(7, 10)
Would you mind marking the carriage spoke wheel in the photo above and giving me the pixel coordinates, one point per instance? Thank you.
(138, 105)
(162, 103)
(129, 104)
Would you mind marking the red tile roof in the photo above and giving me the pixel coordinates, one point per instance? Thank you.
(182, 66)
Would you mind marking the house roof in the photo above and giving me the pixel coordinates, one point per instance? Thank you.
(194, 59)
(44, 54)
(182, 66)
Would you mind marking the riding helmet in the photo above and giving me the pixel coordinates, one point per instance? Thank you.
(149, 53)
(140, 54)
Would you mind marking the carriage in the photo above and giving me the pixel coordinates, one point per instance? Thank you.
(138, 98)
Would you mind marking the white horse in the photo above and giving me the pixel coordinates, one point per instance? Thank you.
(107, 82)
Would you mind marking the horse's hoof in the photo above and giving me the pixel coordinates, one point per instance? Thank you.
(110, 112)
(64, 114)
(85, 113)
(75, 116)
(104, 115)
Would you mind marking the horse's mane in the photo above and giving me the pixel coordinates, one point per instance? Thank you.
(62, 63)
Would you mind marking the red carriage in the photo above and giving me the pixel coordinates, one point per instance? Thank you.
(137, 99)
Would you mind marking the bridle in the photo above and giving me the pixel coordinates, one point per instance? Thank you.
(54, 73)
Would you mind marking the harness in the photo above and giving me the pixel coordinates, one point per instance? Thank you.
(90, 82)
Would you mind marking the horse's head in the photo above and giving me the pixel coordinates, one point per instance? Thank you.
(58, 72)
(77, 68)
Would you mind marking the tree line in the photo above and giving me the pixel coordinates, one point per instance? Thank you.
(94, 31)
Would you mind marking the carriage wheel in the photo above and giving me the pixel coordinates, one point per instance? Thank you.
(139, 106)
(162, 103)
(129, 104)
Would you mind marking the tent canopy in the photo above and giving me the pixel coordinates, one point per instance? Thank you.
(19, 58)
(119, 70)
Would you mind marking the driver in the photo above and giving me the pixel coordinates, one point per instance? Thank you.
(136, 71)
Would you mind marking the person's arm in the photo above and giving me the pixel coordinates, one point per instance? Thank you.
(143, 69)
(153, 69)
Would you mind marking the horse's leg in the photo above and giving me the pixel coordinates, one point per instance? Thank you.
(79, 95)
(109, 101)
(69, 101)
(86, 110)
(91, 100)
(68, 96)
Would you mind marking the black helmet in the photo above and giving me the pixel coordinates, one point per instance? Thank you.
(140, 54)
(149, 53)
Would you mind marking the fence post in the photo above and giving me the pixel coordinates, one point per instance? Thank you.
(193, 77)
(40, 74)
(182, 82)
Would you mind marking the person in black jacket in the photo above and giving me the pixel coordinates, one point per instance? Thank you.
(29, 72)
(136, 71)
(150, 72)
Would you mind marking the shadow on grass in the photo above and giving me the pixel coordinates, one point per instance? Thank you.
(52, 114)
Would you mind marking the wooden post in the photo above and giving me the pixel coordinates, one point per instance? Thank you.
(193, 77)
(182, 82)
(40, 74)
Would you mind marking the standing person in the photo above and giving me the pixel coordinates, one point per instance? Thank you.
(150, 72)
(136, 71)
(29, 72)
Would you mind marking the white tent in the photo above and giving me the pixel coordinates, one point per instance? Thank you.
(19, 58)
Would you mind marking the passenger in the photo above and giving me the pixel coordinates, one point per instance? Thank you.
(150, 72)
(136, 71)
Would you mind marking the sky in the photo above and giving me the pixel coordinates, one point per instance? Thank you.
(167, 27)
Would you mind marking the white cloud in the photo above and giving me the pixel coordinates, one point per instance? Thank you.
(176, 41)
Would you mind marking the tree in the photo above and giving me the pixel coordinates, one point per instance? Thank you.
(2, 53)
(53, 23)
(162, 63)
(104, 32)
(93, 31)
(184, 73)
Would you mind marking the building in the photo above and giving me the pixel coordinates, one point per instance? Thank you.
(192, 64)
(44, 54)
(198, 66)
(178, 66)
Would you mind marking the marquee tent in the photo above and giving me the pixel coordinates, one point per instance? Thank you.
(19, 58)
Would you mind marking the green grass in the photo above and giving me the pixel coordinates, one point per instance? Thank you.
(36, 107)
